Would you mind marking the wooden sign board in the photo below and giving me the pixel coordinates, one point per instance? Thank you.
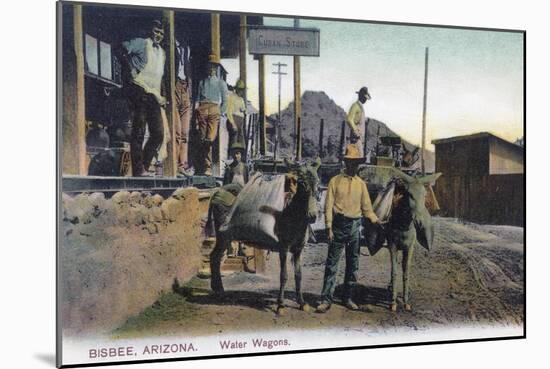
(264, 40)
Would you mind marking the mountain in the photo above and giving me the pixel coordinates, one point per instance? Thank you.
(317, 105)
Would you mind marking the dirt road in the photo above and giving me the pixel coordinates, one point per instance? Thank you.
(473, 275)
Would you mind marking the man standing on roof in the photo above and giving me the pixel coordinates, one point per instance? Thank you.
(347, 200)
(146, 59)
(212, 102)
(356, 119)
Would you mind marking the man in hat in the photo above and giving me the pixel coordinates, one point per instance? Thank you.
(356, 118)
(235, 114)
(145, 58)
(236, 172)
(212, 102)
(346, 201)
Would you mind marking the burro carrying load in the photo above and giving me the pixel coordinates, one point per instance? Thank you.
(252, 218)
(402, 208)
(273, 212)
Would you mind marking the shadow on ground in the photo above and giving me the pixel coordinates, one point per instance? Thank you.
(266, 300)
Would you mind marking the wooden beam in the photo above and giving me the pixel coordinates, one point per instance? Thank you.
(259, 261)
(242, 53)
(217, 147)
(261, 90)
(342, 139)
(171, 164)
(215, 34)
(321, 132)
(80, 108)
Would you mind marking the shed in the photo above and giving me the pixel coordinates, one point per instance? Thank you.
(483, 178)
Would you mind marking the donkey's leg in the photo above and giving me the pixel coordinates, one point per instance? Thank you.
(297, 258)
(215, 264)
(283, 279)
(393, 289)
(407, 261)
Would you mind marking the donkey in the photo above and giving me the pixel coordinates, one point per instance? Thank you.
(291, 228)
(409, 223)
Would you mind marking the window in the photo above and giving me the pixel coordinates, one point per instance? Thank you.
(92, 65)
(100, 61)
(105, 60)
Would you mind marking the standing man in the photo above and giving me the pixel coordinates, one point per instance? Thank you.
(237, 171)
(347, 200)
(146, 59)
(235, 114)
(183, 104)
(212, 102)
(356, 119)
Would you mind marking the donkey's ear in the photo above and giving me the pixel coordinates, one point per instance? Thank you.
(316, 164)
(429, 179)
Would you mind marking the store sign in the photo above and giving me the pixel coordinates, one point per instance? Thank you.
(283, 41)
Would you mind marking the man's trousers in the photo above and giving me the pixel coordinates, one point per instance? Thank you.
(208, 121)
(346, 236)
(145, 111)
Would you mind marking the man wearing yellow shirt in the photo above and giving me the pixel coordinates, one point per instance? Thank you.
(346, 202)
(356, 119)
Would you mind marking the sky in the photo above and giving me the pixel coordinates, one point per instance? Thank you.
(475, 78)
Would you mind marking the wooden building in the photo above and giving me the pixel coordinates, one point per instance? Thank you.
(90, 77)
(482, 180)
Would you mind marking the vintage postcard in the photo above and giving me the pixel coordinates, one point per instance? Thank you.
(235, 183)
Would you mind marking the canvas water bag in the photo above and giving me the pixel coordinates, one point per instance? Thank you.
(374, 235)
(252, 218)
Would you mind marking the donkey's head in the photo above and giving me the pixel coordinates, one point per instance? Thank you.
(413, 209)
(306, 182)
(415, 188)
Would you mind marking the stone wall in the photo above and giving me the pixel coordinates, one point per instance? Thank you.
(118, 255)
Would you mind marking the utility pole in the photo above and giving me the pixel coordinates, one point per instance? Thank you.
(278, 128)
(297, 101)
(424, 113)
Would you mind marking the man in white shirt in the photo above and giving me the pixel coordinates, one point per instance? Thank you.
(356, 119)
(146, 60)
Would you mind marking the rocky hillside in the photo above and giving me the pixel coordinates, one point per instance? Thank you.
(317, 105)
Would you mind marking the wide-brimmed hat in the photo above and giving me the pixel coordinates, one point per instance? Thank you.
(353, 154)
(239, 85)
(237, 146)
(365, 91)
(214, 59)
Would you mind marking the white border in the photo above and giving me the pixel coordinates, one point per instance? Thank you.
(28, 185)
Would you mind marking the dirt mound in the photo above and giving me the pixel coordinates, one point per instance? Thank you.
(119, 255)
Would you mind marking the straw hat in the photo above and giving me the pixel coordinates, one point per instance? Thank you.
(353, 154)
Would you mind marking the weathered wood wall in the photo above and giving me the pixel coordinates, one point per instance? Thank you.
(488, 199)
